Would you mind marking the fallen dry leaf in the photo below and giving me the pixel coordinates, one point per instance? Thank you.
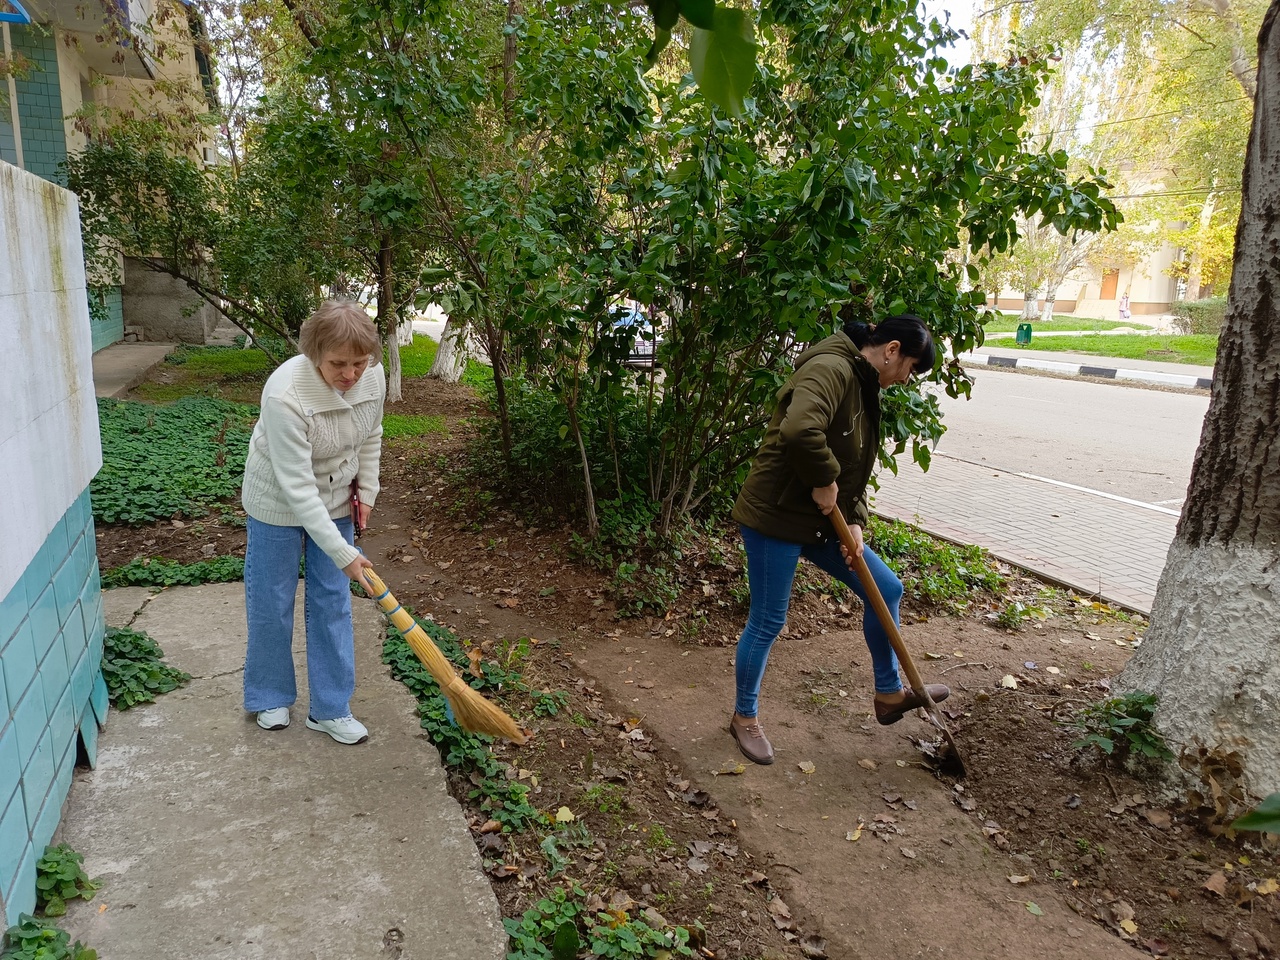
(1217, 884)
(645, 684)
(697, 865)
(867, 764)
(491, 826)
(856, 833)
(1268, 885)
(565, 815)
(1009, 682)
(1019, 878)
(730, 768)
(1129, 927)
(806, 766)
(1158, 818)
(475, 656)
(908, 853)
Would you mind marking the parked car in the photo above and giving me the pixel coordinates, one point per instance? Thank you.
(646, 336)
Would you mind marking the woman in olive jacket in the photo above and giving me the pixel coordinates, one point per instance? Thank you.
(818, 453)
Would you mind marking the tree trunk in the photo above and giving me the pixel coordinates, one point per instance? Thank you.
(387, 315)
(1211, 651)
(1050, 298)
(1195, 263)
(1028, 305)
(451, 357)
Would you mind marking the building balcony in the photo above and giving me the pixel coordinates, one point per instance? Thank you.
(113, 36)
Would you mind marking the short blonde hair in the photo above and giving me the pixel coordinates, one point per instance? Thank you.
(336, 325)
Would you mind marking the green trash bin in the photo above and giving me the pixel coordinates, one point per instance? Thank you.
(1024, 333)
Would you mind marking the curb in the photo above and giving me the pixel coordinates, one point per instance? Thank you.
(1087, 370)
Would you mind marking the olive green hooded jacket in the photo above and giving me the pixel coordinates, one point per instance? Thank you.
(826, 427)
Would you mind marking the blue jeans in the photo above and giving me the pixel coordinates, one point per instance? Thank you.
(270, 585)
(771, 567)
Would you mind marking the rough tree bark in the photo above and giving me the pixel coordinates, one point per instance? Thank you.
(1029, 311)
(1211, 651)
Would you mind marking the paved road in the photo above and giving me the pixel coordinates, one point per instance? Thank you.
(1080, 481)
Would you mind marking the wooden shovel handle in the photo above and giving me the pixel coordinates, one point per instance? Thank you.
(879, 606)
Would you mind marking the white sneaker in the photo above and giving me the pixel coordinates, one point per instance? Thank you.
(343, 729)
(275, 719)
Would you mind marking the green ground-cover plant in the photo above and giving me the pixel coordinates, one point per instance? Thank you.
(34, 939)
(160, 462)
(1195, 349)
(134, 670)
(159, 572)
(396, 425)
(1121, 727)
(550, 930)
(932, 570)
(60, 877)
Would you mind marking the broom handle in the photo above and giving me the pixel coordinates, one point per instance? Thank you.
(385, 599)
(877, 603)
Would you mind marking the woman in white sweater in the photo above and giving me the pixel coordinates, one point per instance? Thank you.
(320, 428)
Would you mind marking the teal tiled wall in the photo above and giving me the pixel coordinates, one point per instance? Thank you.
(108, 329)
(51, 695)
(44, 138)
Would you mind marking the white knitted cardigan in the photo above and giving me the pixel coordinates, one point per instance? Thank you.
(309, 443)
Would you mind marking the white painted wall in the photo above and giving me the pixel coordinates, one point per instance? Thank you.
(49, 443)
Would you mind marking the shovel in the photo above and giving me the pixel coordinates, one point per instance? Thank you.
(949, 761)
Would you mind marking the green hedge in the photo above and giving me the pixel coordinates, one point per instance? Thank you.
(1199, 316)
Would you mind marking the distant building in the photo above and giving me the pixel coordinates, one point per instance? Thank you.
(1095, 291)
(102, 51)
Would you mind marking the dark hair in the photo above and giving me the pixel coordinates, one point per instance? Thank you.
(908, 329)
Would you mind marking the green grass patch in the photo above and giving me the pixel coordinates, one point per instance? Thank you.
(932, 570)
(222, 363)
(395, 425)
(160, 462)
(158, 572)
(1060, 321)
(1198, 349)
(134, 669)
(416, 360)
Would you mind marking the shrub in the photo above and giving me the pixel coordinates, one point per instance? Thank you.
(1199, 316)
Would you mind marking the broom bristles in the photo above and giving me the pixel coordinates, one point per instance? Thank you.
(472, 711)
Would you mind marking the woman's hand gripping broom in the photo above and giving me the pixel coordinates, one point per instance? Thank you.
(472, 711)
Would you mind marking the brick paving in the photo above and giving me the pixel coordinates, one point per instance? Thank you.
(1095, 544)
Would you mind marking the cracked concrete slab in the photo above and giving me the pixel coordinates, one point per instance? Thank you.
(216, 839)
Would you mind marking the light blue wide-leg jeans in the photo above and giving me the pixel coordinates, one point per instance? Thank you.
(771, 569)
(270, 584)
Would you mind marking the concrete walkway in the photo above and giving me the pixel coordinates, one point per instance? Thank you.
(119, 368)
(1160, 372)
(216, 839)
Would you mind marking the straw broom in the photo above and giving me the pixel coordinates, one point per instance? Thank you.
(472, 711)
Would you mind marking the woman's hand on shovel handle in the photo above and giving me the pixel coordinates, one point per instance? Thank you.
(355, 570)
(825, 497)
(857, 539)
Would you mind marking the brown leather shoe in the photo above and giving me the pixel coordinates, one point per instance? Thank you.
(887, 713)
(752, 742)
